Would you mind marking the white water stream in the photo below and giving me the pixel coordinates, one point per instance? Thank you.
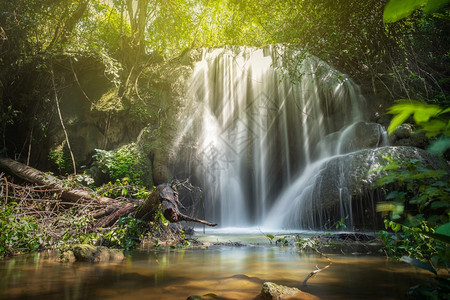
(261, 135)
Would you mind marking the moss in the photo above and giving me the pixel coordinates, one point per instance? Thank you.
(109, 101)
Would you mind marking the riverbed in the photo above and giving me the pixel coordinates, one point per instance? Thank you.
(230, 266)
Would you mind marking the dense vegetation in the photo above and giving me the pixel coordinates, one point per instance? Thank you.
(45, 43)
(405, 59)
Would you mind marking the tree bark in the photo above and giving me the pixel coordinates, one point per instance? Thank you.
(167, 196)
(164, 195)
(35, 176)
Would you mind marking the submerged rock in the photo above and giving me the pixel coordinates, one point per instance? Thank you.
(90, 253)
(67, 256)
(272, 290)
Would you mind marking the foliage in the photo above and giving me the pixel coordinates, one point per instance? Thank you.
(430, 118)
(17, 234)
(399, 9)
(60, 157)
(415, 242)
(308, 243)
(281, 241)
(418, 189)
(418, 206)
(76, 230)
(79, 179)
(418, 246)
(126, 162)
(341, 224)
(121, 188)
(128, 233)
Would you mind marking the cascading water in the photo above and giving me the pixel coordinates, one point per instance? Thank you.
(261, 136)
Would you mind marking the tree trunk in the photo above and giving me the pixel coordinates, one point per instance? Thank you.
(167, 196)
(164, 195)
(38, 177)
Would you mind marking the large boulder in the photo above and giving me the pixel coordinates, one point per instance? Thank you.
(344, 180)
(361, 135)
(341, 189)
(357, 171)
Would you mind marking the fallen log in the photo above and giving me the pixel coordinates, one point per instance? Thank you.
(167, 196)
(38, 177)
(164, 195)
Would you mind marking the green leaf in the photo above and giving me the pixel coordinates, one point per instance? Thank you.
(443, 229)
(399, 9)
(270, 236)
(423, 112)
(444, 111)
(418, 263)
(434, 127)
(434, 5)
(439, 204)
(398, 120)
(439, 146)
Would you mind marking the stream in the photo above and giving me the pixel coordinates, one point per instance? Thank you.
(234, 267)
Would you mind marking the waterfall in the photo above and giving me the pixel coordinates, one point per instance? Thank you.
(259, 135)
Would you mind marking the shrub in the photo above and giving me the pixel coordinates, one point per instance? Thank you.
(126, 162)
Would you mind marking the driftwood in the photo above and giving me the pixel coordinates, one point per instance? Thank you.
(317, 270)
(112, 209)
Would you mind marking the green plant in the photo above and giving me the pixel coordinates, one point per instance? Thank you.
(341, 224)
(399, 9)
(18, 234)
(79, 179)
(60, 157)
(282, 241)
(270, 237)
(128, 234)
(125, 162)
(418, 208)
(121, 188)
(429, 117)
(307, 243)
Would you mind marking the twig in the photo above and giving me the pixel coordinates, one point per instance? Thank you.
(317, 268)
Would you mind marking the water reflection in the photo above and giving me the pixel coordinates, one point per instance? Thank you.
(230, 272)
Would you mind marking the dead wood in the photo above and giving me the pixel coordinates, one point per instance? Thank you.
(317, 270)
(38, 177)
(110, 210)
(167, 196)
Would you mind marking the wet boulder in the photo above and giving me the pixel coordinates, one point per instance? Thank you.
(340, 189)
(349, 178)
(90, 253)
(272, 290)
(361, 135)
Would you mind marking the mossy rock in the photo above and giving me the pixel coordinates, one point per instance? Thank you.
(89, 253)
(272, 290)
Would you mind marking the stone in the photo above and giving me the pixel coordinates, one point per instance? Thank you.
(275, 291)
(67, 256)
(342, 186)
(90, 253)
(403, 131)
(84, 252)
(361, 135)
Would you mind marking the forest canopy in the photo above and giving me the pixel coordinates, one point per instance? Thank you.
(407, 58)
